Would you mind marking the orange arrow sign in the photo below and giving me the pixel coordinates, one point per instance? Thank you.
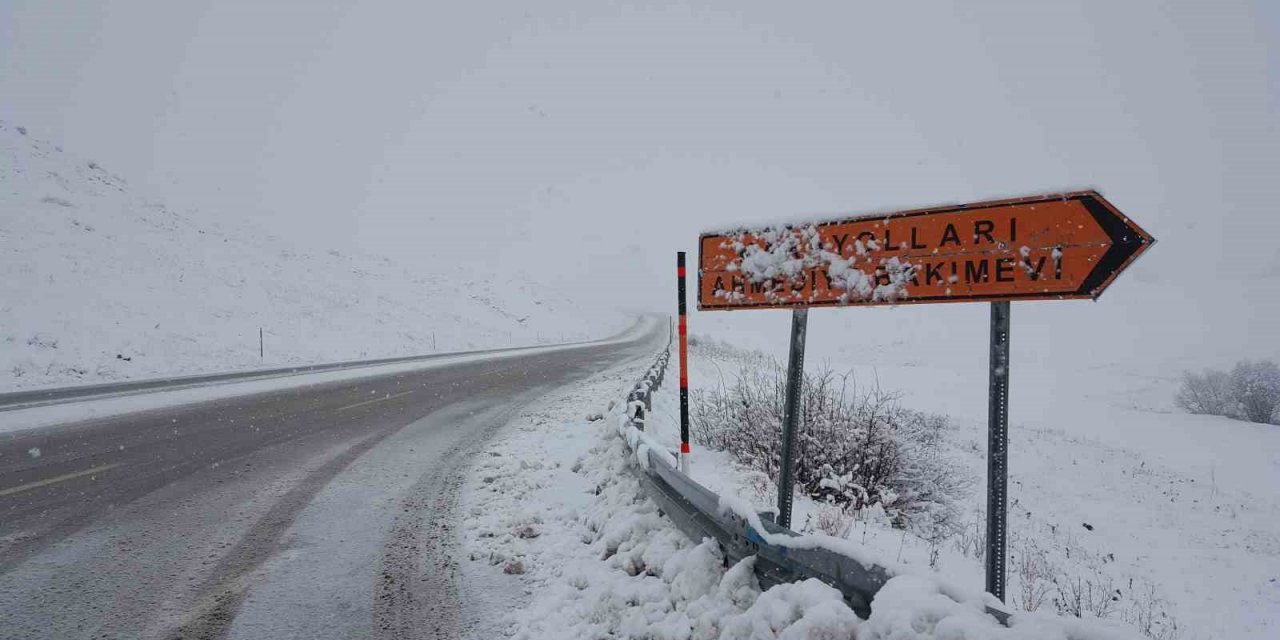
(1049, 247)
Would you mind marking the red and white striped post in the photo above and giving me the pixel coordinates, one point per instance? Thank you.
(684, 367)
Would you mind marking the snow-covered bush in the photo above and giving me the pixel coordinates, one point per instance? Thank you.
(1250, 392)
(1255, 386)
(1208, 393)
(855, 448)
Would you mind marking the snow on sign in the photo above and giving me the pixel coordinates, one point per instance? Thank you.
(1048, 247)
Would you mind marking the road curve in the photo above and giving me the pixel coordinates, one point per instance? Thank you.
(320, 511)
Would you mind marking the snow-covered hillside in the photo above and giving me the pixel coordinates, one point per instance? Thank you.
(98, 283)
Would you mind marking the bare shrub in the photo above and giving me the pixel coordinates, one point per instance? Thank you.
(1150, 613)
(971, 539)
(1036, 575)
(1255, 387)
(743, 419)
(855, 448)
(1207, 394)
(1094, 595)
(1047, 569)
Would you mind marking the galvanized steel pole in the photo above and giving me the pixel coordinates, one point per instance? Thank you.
(791, 415)
(998, 451)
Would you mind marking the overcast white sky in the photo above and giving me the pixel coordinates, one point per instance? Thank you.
(588, 141)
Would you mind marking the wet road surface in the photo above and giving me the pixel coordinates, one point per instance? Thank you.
(322, 511)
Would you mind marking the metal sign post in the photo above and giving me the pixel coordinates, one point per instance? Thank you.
(998, 451)
(791, 415)
(684, 367)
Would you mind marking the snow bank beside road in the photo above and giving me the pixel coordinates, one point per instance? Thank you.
(557, 519)
(556, 512)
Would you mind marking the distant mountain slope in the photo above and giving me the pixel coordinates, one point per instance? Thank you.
(99, 284)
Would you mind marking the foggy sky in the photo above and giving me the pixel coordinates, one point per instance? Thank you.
(585, 142)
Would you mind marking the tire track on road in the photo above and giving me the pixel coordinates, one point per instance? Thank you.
(224, 590)
(418, 594)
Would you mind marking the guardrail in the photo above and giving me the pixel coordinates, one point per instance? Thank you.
(700, 513)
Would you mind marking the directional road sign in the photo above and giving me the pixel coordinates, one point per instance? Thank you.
(1048, 247)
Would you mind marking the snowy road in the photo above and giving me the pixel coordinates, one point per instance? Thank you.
(323, 511)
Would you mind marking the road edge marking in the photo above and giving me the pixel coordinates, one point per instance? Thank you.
(62, 478)
(382, 399)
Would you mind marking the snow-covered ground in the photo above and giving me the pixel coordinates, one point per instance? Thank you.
(1165, 520)
(561, 542)
(98, 283)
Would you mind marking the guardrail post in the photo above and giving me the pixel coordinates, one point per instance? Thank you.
(791, 415)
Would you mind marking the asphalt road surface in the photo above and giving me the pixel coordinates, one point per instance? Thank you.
(324, 511)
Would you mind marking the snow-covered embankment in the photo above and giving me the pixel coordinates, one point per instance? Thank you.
(557, 522)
